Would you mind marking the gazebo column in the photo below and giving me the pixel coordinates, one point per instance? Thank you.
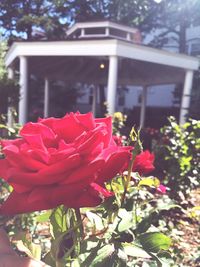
(46, 97)
(185, 103)
(23, 97)
(94, 100)
(112, 83)
(143, 107)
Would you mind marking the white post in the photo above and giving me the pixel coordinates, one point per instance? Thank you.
(185, 103)
(107, 31)
(82, 33)
(46, 97)
(23, 97)
(143, 106)
(10, 73)
(128, 36)
(94, 100)
(112, 83)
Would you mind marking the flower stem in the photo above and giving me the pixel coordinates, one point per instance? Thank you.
(59, 264)
(127, 181)
(79, 220)
(137, 149)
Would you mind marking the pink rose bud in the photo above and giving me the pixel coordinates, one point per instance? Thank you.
(161, 189)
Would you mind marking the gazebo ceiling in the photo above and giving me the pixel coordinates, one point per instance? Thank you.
(87, 70)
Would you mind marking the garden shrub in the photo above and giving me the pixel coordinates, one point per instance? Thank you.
(177, 156)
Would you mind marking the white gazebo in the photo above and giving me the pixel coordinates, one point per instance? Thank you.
(79, 56)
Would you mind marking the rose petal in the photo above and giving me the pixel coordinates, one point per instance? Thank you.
(18, 203)
(16, 159)
(90, 197)
(84, 173)
(114, 165)
(52, 174)
(61, 166)
(66, 128)
(35, 129)
(108, 125)
(4, 167)
(87, 120)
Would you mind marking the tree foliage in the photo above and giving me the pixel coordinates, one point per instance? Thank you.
(19, 18)
(8, 88)
(173, 18)
(169, 18)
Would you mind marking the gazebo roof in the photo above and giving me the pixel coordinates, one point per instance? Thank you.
(103, 29)
(80, 59)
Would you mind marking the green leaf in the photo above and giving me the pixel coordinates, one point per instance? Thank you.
(99, 255)
(44, 217)
(103, 253)
(150, 182)
(95, 220)
(58, 220)
(74, 263)
(62, 245)
(162, 205)
(86, 257)
(110, 256)
(135, 251)
(89, 244)
(155, 241)
(144, 225)
(126, 220)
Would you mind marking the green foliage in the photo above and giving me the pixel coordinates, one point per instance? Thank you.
(3, 49)
(7, 132)
(58, 220)
(9, 89)
(173, 17)
(155, 242)
(177, 156)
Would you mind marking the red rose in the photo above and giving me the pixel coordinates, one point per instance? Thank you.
(61, 161)
(143, 163)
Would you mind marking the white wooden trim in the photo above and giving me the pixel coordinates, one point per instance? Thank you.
(101, 48)
(100, 24)
(62, 48)
(148, 54)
